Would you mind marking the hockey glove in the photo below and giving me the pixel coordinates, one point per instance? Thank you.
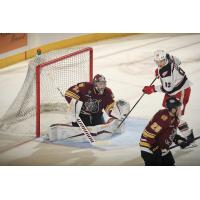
(180, 141)
(149, 89)
(190, 137)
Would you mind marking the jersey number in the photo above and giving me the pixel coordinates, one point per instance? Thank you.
(156, 127)
(181, 71)
(167, 84)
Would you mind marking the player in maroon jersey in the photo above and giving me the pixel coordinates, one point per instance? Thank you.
(159, 134)
(94, 97)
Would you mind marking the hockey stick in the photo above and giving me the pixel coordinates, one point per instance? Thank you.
(85, 130)
(135, 104)
(60, 92)
(82, 125)
(172, 147)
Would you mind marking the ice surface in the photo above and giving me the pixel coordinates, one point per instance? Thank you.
(127, 63)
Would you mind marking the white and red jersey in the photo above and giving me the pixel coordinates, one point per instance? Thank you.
(173, 78)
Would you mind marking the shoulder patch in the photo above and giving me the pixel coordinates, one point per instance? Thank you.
(164, 117)
(81, 85)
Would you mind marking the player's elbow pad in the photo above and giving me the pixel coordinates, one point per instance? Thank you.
(68, 99)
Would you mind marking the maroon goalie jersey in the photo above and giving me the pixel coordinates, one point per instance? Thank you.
(160, 132)
(93, 102)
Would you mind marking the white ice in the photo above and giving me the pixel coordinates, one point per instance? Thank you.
(127, 63)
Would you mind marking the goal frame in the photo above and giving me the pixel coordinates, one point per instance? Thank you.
(40, 66)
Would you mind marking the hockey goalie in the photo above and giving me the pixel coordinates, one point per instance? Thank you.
(87, 101)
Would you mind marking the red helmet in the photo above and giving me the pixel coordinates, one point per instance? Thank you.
(99, 78)
(99, 82)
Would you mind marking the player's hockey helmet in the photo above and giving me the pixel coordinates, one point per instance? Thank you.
(99, 82)
(160, 56)
(173, 102)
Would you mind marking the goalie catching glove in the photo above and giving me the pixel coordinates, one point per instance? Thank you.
(120, 109)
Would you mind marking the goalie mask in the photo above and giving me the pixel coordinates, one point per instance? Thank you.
(99, 82)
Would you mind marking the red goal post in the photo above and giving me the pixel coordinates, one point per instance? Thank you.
(39, 67)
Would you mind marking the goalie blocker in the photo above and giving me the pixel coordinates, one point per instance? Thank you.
(99, 132)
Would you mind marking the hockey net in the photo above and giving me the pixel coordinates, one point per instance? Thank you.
(39, 103)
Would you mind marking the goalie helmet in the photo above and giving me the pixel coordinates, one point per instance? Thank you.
(99, 82)
(173, 102)
(160, 58)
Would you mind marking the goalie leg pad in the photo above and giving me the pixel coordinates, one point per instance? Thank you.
(58, 132)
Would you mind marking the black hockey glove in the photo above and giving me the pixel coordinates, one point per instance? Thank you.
(180, 141)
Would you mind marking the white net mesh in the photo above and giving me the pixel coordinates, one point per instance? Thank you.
(20, 118)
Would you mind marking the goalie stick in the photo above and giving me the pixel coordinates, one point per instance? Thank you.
(85, 130)
(82, 125)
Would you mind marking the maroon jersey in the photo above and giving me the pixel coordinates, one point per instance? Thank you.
(93, 102)
(159, 133)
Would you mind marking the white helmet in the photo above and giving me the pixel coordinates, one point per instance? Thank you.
(160, 55)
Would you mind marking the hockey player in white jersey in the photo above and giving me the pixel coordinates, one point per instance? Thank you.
(174, 82)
